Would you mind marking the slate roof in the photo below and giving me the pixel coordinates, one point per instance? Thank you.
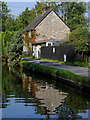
(38, 19)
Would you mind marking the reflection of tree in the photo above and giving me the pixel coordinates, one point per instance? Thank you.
(72, 106)
(26, 87)
(11, 84)
(4, 101)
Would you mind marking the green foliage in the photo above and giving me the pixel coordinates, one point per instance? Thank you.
(80, 64)
(54, 5)
(8, 20)
(5, 13)
(38, 8)
(25, 55)
(79, 38)
(10, 24)
(71, 106)
(11, 81)
(12, 84)
(78, 80)
(73, 13)
(25, 18)
(6, 37)
(14, 47)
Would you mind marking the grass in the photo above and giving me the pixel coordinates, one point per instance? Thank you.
(56, 72)
(80, 64)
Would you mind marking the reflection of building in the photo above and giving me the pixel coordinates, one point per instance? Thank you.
(29, 84)
(51, 98)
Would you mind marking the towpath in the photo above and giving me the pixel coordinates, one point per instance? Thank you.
(81, 71)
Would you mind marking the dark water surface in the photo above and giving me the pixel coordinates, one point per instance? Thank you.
(27, 95)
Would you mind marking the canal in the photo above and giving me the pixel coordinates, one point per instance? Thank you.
(27, 95)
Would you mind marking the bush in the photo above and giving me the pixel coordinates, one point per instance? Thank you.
(79, 38)
(14, 48)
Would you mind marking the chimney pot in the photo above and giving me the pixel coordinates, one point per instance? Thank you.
(45, 8)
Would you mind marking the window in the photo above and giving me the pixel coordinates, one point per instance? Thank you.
(53, 50)
(49, 44)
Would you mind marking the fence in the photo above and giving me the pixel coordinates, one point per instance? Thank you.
(61, 53)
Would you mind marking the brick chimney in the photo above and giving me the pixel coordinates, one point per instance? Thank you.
(45, 8)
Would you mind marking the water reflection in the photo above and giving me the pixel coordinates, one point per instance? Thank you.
(49, 97)
(25, 96)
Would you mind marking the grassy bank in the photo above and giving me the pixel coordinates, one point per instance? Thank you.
(78, 80)
(80, 64)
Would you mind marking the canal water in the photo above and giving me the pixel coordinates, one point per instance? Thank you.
(27, 95)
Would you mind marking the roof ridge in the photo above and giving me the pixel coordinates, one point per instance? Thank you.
(39, 18)
(36, 21)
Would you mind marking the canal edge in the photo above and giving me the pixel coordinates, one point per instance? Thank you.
(34, 67)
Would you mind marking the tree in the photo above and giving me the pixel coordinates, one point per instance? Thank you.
(73, 104)
(5, 13)
(25, 18)
(8, 20)
(6, 37)
(79, 38)
(73, 13)
(14, 47)
(38, 8)
(10, 23)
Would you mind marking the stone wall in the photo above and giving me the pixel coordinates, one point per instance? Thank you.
(52, 27)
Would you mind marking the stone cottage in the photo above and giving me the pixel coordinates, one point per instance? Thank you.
(47, 29)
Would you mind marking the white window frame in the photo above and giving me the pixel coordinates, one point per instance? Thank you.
(54, 50)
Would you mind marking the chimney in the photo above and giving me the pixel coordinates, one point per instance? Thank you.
(45, 8)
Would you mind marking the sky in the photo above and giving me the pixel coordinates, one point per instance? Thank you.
(18, 6)
(41, 0)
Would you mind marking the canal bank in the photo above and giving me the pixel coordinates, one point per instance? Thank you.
(60, 72)
(31, 96)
